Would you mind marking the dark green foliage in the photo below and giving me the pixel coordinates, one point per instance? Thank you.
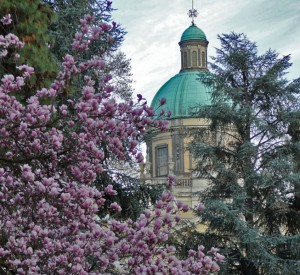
(69, 13)
(133, 195)
(120, 68)
(250, 155)
(31, 20)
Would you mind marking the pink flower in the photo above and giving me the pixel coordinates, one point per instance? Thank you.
(27, 70)
(12, 39)
(177, 218)
(89, 18)
(200, 207)
(185, 208)
(168, 219)
(214, 267)
(109, 190)
(133, 144)
(157, 212)
(219, 257)
(115, 207)
(139, 157)
(162, 112)
(162, 101)
(159, 204)
(166, 196)
(63, 148)
(105, 27)
(6, 20)
(65, 197)
(158, 224)
(87, 203)
(171, 180)
(147, 213)
(169, 208)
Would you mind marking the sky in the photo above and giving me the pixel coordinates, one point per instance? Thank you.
(154, 28)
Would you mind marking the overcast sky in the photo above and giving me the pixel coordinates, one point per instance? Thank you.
(154, 28)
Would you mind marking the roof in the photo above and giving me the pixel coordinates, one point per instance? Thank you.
(193, 33)
(182, 92)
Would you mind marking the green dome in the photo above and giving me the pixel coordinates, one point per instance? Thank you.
(182, 92)
(193, 33)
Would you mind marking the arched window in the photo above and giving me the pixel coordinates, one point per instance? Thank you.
(203, 60)
(184, 59)
(194, 59)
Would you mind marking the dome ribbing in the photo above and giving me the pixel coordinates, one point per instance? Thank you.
(182, 92)
(193, 33)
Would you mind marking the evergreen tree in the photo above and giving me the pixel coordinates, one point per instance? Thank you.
(30, 22)
(250, 157)
(50, 157)
(133, 195)
(69, 12)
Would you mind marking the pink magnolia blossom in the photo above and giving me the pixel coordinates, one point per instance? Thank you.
(200, 207)
(6, 20)
(115, 207)
(162, 101)
(50, 157)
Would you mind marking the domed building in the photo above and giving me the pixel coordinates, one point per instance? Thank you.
(167, 152)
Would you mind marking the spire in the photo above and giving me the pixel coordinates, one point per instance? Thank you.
(193, 13)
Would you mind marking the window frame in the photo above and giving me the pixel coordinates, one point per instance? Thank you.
(194, 58)
(157, 162)
(185, 59)
(203, 60)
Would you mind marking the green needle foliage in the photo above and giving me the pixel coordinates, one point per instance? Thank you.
(133, 196)
(250, 155)
(30, 22)
(69, 13)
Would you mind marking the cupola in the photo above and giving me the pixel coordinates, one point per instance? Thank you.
(193, 48)
(185, 90)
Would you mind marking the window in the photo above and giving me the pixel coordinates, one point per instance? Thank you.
(194, 58)
(203, 59)
(184, 59)
(162, 161)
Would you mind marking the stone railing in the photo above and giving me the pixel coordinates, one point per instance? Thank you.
(157, 181)
(180, 183)
(184, 183)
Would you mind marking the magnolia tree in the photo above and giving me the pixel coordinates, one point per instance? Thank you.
(50, 156)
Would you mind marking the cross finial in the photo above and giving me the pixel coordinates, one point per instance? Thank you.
(193, 12)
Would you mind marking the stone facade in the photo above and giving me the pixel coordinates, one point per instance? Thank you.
(167, 152)
(179, 160)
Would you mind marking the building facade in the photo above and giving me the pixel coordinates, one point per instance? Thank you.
(167, 152)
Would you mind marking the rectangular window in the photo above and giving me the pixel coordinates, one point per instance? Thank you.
(162, 161)
(203, 60)
(194, 58)
(184, 59)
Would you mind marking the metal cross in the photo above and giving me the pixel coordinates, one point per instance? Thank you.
(193, 12)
